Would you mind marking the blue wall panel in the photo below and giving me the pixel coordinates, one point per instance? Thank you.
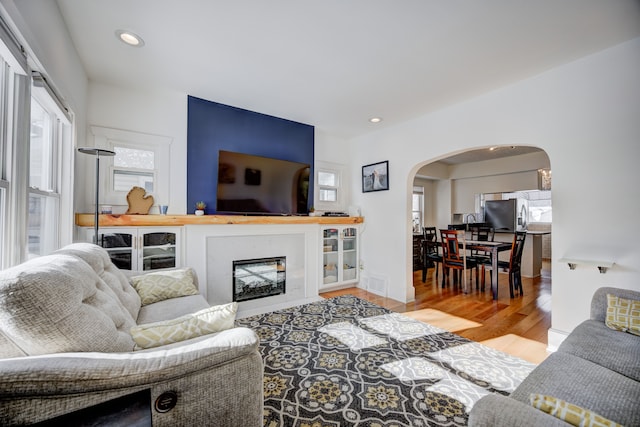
(212, 127)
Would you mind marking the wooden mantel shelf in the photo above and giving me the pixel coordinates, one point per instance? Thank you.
(86, 220)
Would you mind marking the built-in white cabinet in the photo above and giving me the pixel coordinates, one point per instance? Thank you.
(141, 248)
(339, 256)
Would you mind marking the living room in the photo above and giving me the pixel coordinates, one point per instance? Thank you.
(581, 109)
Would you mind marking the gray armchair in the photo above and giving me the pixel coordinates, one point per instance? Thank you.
(64, 346)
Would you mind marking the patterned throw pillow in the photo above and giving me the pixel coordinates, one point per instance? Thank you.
(213, 319)
(162, 285)
(569, 413)
(623, 314)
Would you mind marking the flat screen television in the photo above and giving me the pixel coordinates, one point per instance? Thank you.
(256, 185)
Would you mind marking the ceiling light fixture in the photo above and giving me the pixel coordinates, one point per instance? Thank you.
(129, 38)
(375, 119)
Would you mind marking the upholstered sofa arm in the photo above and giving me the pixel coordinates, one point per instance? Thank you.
(496, 410)
(201, 371)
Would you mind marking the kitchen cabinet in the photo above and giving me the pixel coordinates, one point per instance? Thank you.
(340, 261)
(141, 248)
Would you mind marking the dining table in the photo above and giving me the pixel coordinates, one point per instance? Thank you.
(494, 248)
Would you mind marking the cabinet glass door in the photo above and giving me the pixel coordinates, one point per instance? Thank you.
(349, 253)
(120, 248)
(158, 250)
(330, 255)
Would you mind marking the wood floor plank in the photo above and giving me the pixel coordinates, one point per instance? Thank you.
(517, 326)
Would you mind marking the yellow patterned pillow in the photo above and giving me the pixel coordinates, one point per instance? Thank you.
(572, 414)
(162, 285)
(623, 314)
(213, 319)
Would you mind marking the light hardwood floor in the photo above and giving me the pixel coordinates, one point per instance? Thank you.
(516, 326)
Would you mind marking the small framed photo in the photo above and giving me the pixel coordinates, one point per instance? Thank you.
(375, 177)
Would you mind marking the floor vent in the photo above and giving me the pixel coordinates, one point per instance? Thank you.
(377, 285)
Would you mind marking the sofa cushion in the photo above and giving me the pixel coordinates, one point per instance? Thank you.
(210, 320)
(100, 262)
(58, 303)
(623, 314)
(171, 308)
(163, 285)
(572, 414)
(585, 384)
(593, 340)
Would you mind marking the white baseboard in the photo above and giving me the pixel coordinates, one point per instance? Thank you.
(555, 338)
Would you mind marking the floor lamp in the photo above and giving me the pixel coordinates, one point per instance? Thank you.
(97, 152)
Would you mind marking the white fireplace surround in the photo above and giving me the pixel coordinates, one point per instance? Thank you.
(211, 250)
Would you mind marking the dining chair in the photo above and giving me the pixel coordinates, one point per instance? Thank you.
(514, 265)
(482, 233)
(454, 256)
(430, 254)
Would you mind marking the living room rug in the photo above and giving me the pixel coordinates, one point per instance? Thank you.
(347, 362)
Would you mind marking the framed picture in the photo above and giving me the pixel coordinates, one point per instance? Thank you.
(375, 177)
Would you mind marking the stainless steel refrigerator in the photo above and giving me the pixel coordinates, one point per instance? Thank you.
(507, 215)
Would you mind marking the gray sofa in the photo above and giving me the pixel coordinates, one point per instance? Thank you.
(596, 368)
(65, 345)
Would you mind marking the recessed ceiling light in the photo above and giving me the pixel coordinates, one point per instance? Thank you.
(129, 38)
(375, 119)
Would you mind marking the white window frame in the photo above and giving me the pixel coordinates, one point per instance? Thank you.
(341, 186)
(59, 230)
(108, 138)
(420, 192)
(5, 155)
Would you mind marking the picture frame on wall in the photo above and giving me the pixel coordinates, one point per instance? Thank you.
(375, 177)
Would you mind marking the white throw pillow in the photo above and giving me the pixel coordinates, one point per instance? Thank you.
(213, 319)
(162, 285)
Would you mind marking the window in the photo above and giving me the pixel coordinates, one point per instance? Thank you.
(330, 186)
(417, 209)
(328, 183)
(539, 204)
(47, 138)
(36, 159)
(133, 167)
(138, 161)
(4, 181)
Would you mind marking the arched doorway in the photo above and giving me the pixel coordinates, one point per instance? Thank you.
(453, 191)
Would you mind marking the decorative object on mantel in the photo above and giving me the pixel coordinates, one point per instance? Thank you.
(603, 266)
(200, 207)
(139, 202)
(96, 152)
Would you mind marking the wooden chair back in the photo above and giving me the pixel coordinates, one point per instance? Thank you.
(482, 233)
(452, 254)
(517, 247)
(430, 236)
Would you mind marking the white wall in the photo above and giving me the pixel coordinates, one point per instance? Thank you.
(159, 113)
(585, 116)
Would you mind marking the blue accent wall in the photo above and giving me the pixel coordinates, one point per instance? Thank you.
(212, 127)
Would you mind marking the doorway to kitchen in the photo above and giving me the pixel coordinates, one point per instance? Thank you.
(455, 189)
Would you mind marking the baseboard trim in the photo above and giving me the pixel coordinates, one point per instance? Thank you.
(555, 338)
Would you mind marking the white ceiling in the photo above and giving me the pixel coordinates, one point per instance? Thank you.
(336, 63)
